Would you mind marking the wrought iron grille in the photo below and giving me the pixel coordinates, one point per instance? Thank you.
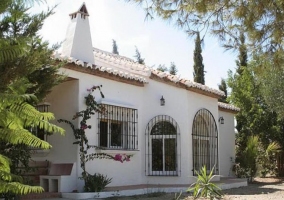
(204, 142)
(162, 147)
(36, 130)
(117, 127)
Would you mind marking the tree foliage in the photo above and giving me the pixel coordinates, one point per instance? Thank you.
(270, 73)
(16, 116)
(173, 69)
(162, 68)
(255, 117)
(261, 21)
(257, 158)
(223, 87)
(243, 54)
(10, 183)
(138, 57)
(25, 67)
(114, 47)
(198, 66)
(24, 53)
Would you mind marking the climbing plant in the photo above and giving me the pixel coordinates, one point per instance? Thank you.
(92, 107)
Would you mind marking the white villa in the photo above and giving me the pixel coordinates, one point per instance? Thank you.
(168, 140)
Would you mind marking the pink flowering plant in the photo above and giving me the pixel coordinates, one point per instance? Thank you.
(92, 107)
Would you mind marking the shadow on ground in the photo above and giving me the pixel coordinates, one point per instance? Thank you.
(257, 187)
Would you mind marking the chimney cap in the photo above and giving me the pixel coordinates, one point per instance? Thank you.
(83, 10)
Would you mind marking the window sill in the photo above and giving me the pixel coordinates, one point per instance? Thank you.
(40, 152)
(164, 175)
(116, 151)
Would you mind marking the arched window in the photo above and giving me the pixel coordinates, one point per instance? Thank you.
(204, 141)
(162, 154)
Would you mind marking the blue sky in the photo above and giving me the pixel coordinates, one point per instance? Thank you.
(159, 42)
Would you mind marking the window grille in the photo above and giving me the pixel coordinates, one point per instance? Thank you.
(117, 127)
(162, 142)
(204, 142)
(40, 133)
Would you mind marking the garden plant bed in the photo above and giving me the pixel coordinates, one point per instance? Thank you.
(260, 189)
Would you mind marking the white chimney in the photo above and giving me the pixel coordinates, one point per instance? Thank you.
(78, 41)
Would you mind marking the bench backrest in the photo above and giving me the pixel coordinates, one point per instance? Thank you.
(57, 169)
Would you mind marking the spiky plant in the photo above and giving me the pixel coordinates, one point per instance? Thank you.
(203, 187)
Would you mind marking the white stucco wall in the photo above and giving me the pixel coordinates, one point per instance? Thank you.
(181, 105)
(227, 143)
(120, 94)
(64, 103)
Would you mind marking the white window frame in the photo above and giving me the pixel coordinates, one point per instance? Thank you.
(164, 172)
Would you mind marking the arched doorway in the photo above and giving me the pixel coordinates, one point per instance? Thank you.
(204, 141)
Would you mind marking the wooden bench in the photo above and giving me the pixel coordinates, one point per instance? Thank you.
(61, 178)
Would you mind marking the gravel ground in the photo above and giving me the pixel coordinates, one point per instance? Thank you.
(261, 189)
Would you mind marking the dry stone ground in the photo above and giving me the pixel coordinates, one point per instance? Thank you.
(261, 189)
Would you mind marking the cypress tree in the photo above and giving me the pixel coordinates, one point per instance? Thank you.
(243, 57)
(173, 69)
(223, 87)
(114, 47)
(162, 68)
(198, 66)
(138, 57)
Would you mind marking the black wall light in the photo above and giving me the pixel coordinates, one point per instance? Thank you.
(221, 120)
(162, 101)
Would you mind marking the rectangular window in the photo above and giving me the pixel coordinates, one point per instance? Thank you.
(117, 127)
(157, 157)
(40, 133)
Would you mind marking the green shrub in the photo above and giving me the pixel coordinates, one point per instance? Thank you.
(256, 158)
(240, 171)
(267, 159)
(203, 187)
(96, 182)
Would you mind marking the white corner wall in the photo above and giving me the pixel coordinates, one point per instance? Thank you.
(64, 104)
(226, 143)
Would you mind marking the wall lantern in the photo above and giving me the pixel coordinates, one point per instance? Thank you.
(221, 120)
(162, 101)
(43, 107)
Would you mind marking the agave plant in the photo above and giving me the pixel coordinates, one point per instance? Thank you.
(203, 187)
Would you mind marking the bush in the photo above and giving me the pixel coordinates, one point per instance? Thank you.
(96, 182)
(256, 158)
(240, 172)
